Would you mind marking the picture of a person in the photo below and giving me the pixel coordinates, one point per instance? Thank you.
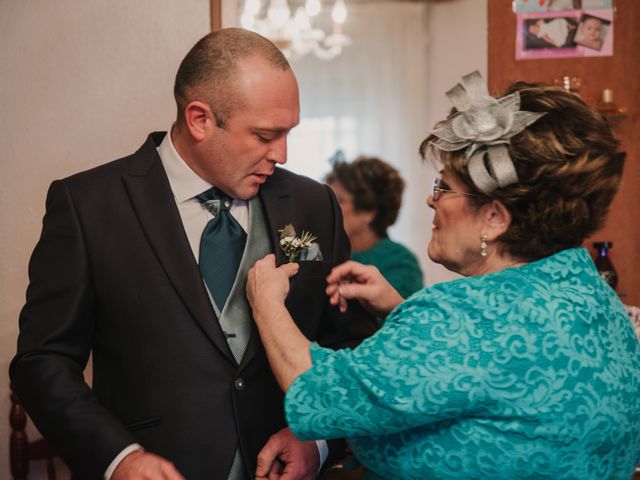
(553, 33)
(591, 32)
(548, 5)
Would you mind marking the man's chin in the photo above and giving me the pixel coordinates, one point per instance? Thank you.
(250, 187)
(248, 192)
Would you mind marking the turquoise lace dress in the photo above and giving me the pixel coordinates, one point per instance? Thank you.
(527, 373)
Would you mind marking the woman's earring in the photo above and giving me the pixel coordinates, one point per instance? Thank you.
(483, 244)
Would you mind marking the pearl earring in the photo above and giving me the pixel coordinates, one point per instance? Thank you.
(483, 244)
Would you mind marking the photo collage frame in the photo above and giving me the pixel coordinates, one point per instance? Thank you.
(563, 28)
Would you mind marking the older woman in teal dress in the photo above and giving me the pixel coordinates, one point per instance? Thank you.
(526, 368)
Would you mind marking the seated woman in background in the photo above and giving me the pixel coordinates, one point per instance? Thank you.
(526, 368)
(369, 192)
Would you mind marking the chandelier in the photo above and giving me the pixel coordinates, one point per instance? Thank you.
(296, 35)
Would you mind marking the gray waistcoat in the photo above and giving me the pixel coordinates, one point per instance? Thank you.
(235, 318)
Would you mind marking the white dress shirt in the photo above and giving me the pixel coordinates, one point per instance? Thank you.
(186, 185)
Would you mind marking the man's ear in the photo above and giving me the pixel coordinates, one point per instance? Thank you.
(198, 119)
(497, 219)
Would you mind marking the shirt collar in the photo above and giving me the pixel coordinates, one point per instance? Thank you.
(185, 183)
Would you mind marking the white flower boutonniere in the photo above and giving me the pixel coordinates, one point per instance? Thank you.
(292, 245)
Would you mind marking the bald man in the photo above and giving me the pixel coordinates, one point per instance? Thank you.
(135, 265)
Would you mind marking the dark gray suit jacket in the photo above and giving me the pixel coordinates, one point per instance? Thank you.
(113, 274)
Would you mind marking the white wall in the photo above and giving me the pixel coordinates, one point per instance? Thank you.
(457, 32)
(83, 82)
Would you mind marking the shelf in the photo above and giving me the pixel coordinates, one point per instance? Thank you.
(616, 117)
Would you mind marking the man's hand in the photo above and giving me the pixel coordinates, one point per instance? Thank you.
(141, 465)
(285, 457)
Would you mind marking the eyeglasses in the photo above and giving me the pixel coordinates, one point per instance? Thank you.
(439, 187)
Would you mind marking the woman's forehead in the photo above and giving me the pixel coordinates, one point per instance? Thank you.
(451, 178)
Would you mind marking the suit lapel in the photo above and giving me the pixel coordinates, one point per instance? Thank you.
(277, 200)
(279, 209)
(150, 193)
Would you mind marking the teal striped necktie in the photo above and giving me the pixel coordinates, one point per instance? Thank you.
(221, 245)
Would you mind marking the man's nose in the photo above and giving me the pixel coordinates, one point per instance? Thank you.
(278, 151)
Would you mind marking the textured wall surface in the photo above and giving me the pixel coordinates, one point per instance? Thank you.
(457, 46)
(82, 84)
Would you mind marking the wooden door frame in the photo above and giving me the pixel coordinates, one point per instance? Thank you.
(216, 15)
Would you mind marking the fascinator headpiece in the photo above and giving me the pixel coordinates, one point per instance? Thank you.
(483, 125)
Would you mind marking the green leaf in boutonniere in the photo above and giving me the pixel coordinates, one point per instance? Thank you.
(291, 244)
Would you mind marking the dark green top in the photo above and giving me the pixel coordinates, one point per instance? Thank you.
(396, 263)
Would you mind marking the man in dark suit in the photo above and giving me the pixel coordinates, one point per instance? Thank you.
(181, 382)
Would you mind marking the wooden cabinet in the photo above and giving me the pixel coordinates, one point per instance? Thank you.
(621, 74)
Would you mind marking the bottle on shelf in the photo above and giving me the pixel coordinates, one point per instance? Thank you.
(604, 265)
(569, 83)
(606, 105)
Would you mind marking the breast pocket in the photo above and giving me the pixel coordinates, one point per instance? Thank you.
(307, 297)
(143, 424)
(314, 268)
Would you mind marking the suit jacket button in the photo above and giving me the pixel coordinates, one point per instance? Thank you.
(239, 384)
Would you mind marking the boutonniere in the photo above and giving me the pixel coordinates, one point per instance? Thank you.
(292, 245)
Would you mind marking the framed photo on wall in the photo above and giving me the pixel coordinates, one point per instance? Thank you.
(592, 31)
(551, 32)
(570, 33)
(530, 6)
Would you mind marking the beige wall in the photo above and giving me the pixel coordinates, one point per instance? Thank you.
(457, 46)
(84, 82)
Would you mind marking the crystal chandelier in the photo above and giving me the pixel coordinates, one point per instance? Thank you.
(296, 35)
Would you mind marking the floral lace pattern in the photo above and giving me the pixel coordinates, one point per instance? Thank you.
(530, 372)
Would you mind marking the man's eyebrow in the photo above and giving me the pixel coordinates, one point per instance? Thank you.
(272, 129)
(269, 129)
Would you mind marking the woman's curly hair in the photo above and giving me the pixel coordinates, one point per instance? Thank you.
(569, 169)
(375, 186)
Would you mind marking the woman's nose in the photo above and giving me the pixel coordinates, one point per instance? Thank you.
(430, 202)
